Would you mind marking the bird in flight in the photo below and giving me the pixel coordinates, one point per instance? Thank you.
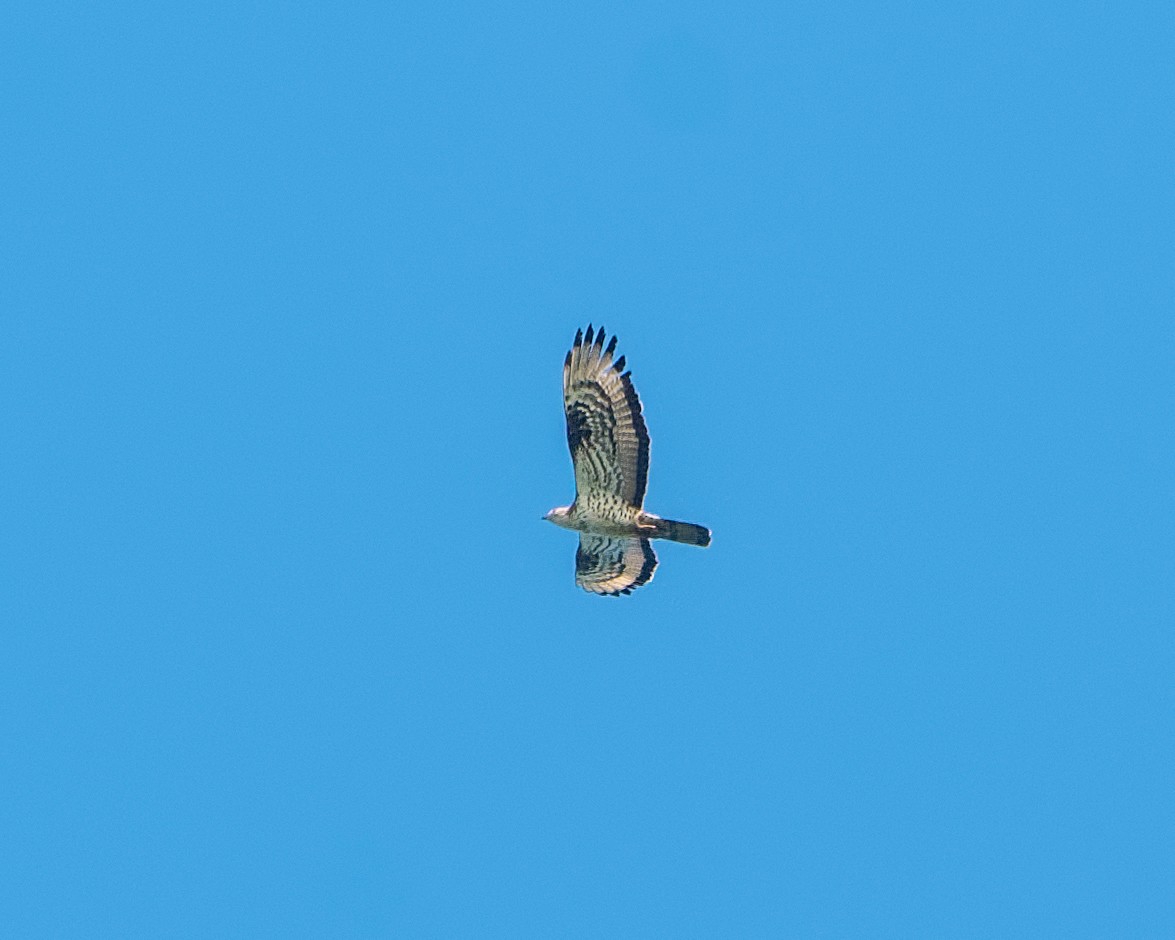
(610, 453)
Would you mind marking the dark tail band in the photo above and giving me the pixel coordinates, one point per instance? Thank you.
(685, 532)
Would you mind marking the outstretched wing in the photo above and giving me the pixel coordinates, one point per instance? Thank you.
(605, 431)
(613, 566)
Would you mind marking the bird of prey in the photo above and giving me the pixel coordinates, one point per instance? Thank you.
(610, 453)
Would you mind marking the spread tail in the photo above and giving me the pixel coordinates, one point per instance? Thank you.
(685, 532)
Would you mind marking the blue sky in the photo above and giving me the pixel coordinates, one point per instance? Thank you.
(287, 650)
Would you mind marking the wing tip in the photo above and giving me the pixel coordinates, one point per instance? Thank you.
(593, 339)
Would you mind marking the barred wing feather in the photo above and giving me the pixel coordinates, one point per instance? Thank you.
(605, 429)
(613, 566)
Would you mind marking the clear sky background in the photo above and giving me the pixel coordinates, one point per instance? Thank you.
(285, 293)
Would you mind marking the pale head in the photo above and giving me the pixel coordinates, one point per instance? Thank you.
(560, 515)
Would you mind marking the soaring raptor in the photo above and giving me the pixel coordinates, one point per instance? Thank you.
(610, 452)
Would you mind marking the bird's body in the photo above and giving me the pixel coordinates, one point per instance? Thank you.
(618, 520)
(610, 453)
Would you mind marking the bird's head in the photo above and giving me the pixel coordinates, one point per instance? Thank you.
(559, 515)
